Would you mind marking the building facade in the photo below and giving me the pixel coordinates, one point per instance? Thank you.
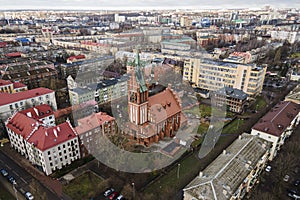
(151, 118)
(49, 148)
(234, 99)
(89, 129)
(11, 103)
(278, 125)
(213, 75)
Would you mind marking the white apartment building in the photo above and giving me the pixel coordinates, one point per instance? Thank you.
(277, 125)
(213, 75)
(43, 113)
(48, 147)
(10, 103)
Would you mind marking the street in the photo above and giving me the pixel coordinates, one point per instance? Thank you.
(23, 178)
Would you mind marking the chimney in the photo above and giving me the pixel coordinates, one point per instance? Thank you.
(54, 132)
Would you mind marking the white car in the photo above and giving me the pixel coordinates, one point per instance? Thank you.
(29, 196)
(121, 197)
(268, 168)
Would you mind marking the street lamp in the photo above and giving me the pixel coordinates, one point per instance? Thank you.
(133, 192)
(178, 168)
(15, 191)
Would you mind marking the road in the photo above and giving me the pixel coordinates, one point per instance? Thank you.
(23, 178)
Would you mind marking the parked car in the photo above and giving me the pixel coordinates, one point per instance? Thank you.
(268, 168)
(4, 172)
(12, 180)
(113, 195)
(108, 192)
(297, 182)
(286, 178)
(29, 196)
(294, 194)
(120, 197)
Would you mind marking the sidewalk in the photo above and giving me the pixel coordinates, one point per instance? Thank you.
(52, 184)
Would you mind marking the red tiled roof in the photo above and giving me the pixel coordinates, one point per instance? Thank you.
(38, 112)
(47, 137)
(71, 58)
(21, 124)
(278, 119)
(163, 105)
(15, 54)
(40, 135)
(93, 121)
(4, 82)
(6, 98)
(19, 85)
(3, 44)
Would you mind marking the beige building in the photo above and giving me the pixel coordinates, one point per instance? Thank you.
(233, 173)
(213, 75)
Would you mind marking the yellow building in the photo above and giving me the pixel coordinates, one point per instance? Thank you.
(213, 75)
(7, 86)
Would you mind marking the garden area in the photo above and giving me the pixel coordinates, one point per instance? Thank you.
(86, 186)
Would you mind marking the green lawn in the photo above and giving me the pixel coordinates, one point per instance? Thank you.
(4, 194)
(187, 170)
(259, 103)
(201, 110)
(233, 126)
(202, 128)
(84, 187)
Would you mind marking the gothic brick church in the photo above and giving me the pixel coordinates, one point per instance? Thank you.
(151, 118)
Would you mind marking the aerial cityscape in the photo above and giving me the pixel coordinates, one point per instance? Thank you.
(149, 100)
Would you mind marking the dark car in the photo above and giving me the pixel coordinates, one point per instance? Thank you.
(12, 180)
(297, 182)
(108, 192)
(113, 195)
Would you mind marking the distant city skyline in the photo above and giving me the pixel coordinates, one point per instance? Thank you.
(142, 4)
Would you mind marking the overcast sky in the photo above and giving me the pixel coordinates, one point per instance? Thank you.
(132, 4)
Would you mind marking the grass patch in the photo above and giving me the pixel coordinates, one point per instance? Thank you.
(259, 103)
(202, 128)
(170, 180)
(197, 142)
(4, 194)
(202, 110)
(72, 166)
(84, 187)
(233, 126)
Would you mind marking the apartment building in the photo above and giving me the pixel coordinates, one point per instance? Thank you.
(102, 92)
(48, 147)
(11, 87)
(42, 113)
(278, 124)
(212, 75)
(235, 99)
(233, 173)
(90, 128)
(10, 103)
